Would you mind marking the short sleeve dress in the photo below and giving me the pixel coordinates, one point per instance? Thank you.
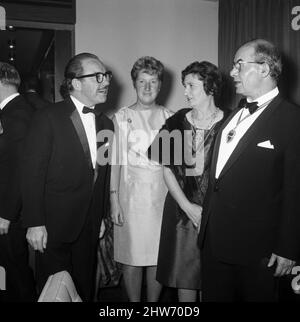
(142, 190)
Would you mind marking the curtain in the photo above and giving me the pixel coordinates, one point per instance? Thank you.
(275, 20)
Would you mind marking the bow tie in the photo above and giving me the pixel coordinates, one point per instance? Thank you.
(252, 107)
(86, 110)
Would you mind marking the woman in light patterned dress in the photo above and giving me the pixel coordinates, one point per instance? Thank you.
(138, 190)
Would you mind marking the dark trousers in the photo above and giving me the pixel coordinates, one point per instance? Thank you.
(225, 282)
(20, 285)
(78, 258)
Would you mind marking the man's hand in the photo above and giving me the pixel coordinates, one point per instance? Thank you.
(37, 238)
(284, 265)
(4, 225)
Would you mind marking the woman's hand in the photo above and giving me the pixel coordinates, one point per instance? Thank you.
(116, 211)
(194, 212)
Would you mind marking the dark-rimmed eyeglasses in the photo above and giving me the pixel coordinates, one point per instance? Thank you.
(238, 65)
(99, 76)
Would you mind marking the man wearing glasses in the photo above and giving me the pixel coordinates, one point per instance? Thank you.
(251, 219)
(65, 184)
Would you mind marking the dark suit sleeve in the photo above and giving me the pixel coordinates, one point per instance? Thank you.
(35, 160)
(15, 128)
(288, 245)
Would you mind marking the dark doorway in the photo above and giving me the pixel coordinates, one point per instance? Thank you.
(40, 49)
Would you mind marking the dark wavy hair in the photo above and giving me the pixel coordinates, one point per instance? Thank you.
(149, 65)
(267, 52)
(74, 69)
(9, 75)
(208, 73)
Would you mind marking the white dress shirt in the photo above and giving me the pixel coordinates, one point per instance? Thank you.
(246, 120)
(88, 121)
(7, 100)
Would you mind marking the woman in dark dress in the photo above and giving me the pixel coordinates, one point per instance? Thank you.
(186, 159)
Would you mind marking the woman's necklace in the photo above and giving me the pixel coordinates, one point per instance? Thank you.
(212, 117)
(198, 137)
(231, 134)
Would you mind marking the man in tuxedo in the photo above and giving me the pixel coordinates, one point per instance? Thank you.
(15, 115)
(251, 218)
(65, 185)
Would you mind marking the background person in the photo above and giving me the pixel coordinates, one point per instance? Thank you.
(32, 89)
(15, 116)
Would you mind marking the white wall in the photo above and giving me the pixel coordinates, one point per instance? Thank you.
(177, 32)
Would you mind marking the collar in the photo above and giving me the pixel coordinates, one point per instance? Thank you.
(266, 97)
(7, 100)
(78, 104)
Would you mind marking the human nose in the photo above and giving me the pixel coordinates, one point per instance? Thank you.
(234, 71)
(105, 81)
(186, 91)
(147, 86)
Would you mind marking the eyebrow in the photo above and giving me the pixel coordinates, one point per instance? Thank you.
(192, 81)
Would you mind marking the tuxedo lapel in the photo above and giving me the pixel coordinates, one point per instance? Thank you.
(106, 139)
(79, 128)
(250, 135)
(99, 127)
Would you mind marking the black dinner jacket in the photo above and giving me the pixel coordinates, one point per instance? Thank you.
(15, 118)
(57, 174)
(253, 209)
(35, 100)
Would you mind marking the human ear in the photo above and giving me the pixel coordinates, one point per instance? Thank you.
(76, 84)
(265, 70)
